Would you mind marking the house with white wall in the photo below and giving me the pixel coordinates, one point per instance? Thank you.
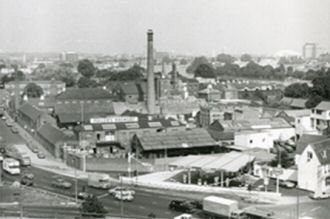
(320, 118)
(314, 168)
(254, 139)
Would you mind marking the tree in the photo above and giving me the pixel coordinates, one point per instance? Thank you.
(197, 62)
(86, 68)
(282, 157)
(246, 58)
(85, 82)
(313, 101)
(205, 71)
(297, 90)
(33, 90)
(18, 75)
(93, 207)
(225, 58)
(131, 74)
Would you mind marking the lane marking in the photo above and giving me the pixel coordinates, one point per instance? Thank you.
(142, 207)
(103, 195)
(315, 209)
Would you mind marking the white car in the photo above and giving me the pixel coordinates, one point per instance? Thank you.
(1, 157)
(124, 197)
(122, 190)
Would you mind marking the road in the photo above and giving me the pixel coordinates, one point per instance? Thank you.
(143, 204)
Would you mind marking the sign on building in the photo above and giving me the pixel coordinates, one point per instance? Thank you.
(114, 119)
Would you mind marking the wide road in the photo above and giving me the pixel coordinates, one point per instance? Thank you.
(143, 204)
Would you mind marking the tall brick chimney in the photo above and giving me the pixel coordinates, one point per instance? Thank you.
(150, 73)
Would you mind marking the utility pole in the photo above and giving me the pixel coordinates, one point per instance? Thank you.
(297, 203)
(76, 182)
(121, 198)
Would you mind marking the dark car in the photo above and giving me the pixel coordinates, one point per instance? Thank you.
(287, 184)
(27, 181)
(84, 195)
(59, 182)
(182, 206)
(197, 204)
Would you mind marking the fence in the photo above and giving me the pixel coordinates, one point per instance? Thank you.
(265, 197)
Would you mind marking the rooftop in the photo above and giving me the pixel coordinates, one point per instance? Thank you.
(324, 105)
(30, 111)
(322, 151)
(306, 140)
(84, 94)
(175, 139)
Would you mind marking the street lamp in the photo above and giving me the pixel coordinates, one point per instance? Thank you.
(76, 181)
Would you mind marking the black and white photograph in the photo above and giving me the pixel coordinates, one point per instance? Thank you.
(165, 109)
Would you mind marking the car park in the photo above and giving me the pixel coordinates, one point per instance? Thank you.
(181, 206)
(124, 197)
(123, 190)
(41, 155)
(287, 184)
(60, 182)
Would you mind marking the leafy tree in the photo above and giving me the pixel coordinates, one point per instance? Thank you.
(85, 82)
(205, 71)
(93, 207)
(18, 75)
(183, 62)
(282, 157)
(197, 62)
(131, 74)
(297, 90)
(246, 58)
(225, 58)
(86, 68)
(313, 101)
(104, 73)
(33, 90)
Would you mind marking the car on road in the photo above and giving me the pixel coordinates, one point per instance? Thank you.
(181, 206)
(14, 130)
(34, 149)
(319, 196)
(9, 123)
(41, 155)
(123, 190)
(25, 180)
(28, 175)
(3, 118)
(124, 197)
(60, 182)
(287, 184)
(84, 195)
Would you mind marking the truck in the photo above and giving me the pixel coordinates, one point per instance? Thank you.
(217, 207)
(11, 166)
(12, 151)
(99, 180)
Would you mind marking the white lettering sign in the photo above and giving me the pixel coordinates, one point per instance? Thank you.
(114, 119)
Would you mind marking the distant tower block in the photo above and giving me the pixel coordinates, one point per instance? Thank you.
(150, 72)
(175, 76)
(309, 51)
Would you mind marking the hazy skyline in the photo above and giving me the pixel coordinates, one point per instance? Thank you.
(184, 26)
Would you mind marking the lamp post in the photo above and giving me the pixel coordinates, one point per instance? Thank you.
(76, 181)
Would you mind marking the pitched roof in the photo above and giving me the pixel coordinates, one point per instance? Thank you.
(30, 111)
(324, 105)
(178, 139)
(52, 134)
(306, 140)
(84, 94)
(322, 151)
(77, 108)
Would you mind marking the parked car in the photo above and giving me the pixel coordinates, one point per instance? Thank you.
(9, 123)
(27, 181)
(1, 157)
(28, 175)
(34, 149)
(197, 204)
(123, 190)
(287, 184)
(320, 196)
(124, 197)
(3, 118)
(84, 195)
(14, 130)
(41, 155)
(182, 206)
(60, 182)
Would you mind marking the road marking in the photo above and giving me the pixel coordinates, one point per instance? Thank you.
(103, 195)
(142, 207)
(316, 208)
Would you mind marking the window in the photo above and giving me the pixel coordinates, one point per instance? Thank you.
(251, 141)
(317, 122)
(309, 156)
(324, 154)
(298, 121)
(319, 112)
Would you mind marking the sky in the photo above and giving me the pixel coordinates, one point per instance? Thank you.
(192, 27)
